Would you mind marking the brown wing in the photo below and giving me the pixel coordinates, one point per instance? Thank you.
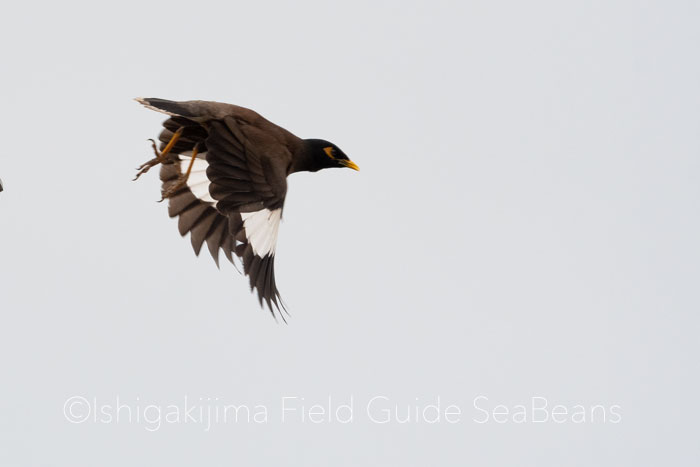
(249, 183)
(235, 194)
(195, 216)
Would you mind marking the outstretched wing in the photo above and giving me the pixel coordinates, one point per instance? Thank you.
(235, 193)
(191, 204)
(249, 187)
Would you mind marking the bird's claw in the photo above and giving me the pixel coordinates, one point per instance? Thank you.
(146, 166)
(174, 188)
(160, 156)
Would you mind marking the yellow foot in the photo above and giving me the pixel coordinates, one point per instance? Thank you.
(182, 179)
(160, 157)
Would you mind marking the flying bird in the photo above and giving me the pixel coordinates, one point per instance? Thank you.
(224, 173)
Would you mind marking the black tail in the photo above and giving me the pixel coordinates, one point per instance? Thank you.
(165, 106)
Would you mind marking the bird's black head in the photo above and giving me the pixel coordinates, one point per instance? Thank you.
(322, 154)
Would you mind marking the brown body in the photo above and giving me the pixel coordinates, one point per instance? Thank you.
(234, 199)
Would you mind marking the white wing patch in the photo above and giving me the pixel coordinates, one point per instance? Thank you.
(197, 182)
(261, 229)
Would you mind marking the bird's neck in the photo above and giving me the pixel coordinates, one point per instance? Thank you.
(306, 157)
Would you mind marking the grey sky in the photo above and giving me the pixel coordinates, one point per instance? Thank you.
(525, 225)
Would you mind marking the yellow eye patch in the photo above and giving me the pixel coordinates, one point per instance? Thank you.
(329, 152)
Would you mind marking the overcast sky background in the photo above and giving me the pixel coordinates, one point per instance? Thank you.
(525, 224)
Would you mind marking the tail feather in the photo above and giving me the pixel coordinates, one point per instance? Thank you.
(176, 109)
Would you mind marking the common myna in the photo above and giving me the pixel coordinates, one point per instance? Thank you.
(224, 172)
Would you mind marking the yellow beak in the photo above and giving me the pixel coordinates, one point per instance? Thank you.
(349, 164)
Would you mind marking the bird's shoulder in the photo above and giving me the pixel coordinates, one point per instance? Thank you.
(257, 129)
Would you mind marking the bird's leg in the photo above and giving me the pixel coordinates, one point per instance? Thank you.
(182, 179)
(160, 156)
